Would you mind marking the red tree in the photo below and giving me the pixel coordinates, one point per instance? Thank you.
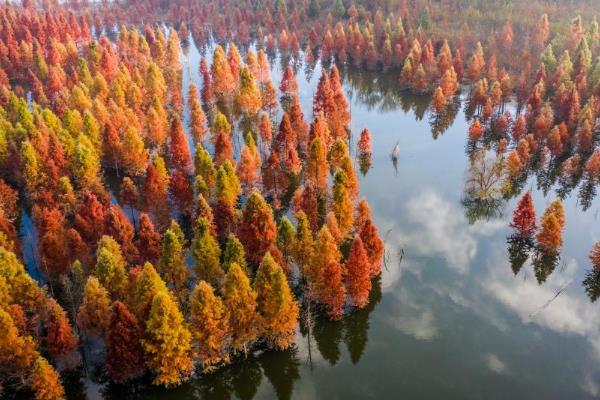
(524, 217)
(358, 281)
(179, 150)
(124, 354)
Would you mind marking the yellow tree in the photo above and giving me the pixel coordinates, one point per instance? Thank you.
(208, 325)
(93, 316)
(276, 305)
(240, 304)
(167, 342)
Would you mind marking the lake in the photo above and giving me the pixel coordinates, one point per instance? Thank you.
(448, 317)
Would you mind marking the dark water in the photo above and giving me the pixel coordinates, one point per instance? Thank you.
(450, 319)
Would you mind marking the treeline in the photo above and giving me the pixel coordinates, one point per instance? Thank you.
(78, 113)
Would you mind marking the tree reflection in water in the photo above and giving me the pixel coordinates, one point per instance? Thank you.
(356, 325)
(245, 377)
(482, 197)
(282, 368)
(518, 252)
(591, 284)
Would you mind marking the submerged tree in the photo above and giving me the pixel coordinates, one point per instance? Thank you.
(167, 342)
(124, 353)
(524, 217)
(209, 326)
(276, 305)
(240, 304)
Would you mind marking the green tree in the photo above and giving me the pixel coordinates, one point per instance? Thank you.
(207, 253)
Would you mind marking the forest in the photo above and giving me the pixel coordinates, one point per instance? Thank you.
(180, 227)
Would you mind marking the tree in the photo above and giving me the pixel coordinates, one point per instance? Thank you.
(373, 246)
(17, 352)
(223, 148)
(234, 253)
(277, 308)
(316, 166)
(45, 381)
(289, 84)
(324, 274)
(145, 286)
(330, 290)
(148, 240)
(286, 238)
(129, 195)
(206, 253)
(240, 304)
(94, 313)
(171, 263)
(257, 229)
(167, 342)
(524, 217)
(197, 122)
(338, 95)
(208, 325)
(248, 167)
(179, 150)
(549, 236)
(342, 205)
(223, 83)
(60, 339)
(248, 98)
(303, 242)
(120, 229)
(364, 143)
(124, 352)
(134, 156)
(475, 130)
(110, 267)
(204, 166)
(358, 280)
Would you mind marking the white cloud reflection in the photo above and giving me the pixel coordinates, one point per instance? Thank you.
(443, 230)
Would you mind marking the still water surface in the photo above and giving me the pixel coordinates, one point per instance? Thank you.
(449, 319)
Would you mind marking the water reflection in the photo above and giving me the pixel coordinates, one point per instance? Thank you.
(282, 369)
(356, 329)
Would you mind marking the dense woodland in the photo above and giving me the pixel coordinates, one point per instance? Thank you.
(180, 228)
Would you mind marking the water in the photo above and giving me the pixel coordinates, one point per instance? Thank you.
(449, 318)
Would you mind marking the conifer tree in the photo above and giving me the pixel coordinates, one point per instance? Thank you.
(240, 304)
(286, 236)
(358, 281)
(124, 353)
(148, 240)
(167, 342)
(248, 99)
(45, 381)
(257, 230)
(234, 253)
(197, 122)
(94, 312)
(179, 151)
(110, 267)
(223, 83)
(524, 217)
(316, 165)
(209, 326)
(145, 287)
(59, 338)
(342, 205)
(373, 246)
(276, 306)
(171, 263)
(207, 253)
